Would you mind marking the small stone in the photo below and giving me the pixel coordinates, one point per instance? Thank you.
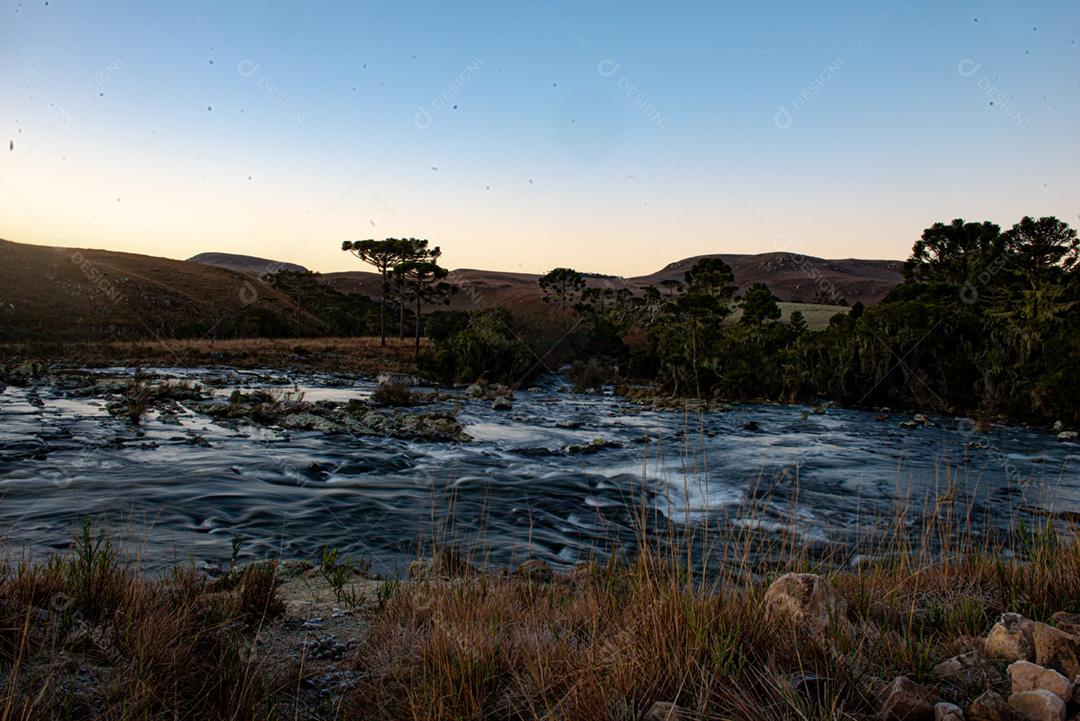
(1026, 676)
(947, 712)
(806, 601)
(1067, 436)
(1059, 426)
(1011, 639)
(921, 419)
(908, 701)
(501, 403)
(990, 706)
(1038, 706)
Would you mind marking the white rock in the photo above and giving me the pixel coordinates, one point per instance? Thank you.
(806, 601)
(947, 712)
(1010, 639)
(1026, 676)
(1038, 706)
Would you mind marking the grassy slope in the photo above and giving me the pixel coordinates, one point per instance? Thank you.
(81, 294)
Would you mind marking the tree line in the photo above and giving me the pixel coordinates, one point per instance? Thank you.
(985, 322)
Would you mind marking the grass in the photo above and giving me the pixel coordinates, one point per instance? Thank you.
(344, 355)
(86, 635)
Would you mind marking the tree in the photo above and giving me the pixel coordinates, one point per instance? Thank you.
(563, 285)
(422, 284)
(384, 255)
(1043, 257)
(758, 305)
(797, 321)
(412, 250)
(953, 253)
(673, 286)
(713, 276)
(1043, 250)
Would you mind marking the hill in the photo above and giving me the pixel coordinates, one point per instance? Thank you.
(80, 294)
(244, 263)
(49, 293)
(793, 278)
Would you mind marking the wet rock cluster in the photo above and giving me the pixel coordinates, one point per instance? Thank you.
(354, 417)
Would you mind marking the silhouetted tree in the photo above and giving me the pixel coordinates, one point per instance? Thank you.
(797, 321)
(423, 284)
(673, 286)
(384, 255)
(759, 305)
(713, 276)
(953, 253)
(563, 285)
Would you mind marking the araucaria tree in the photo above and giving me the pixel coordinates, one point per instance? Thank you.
(384, 255)
(562, 285)
(422, 282)
(759, 305)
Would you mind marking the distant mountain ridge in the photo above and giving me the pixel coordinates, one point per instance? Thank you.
(51, 293)
(792, 277)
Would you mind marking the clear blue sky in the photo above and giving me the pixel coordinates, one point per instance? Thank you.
(521, 135)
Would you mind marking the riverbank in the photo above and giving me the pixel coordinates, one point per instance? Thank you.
(87, 636)
(338, 355)
(25, 362)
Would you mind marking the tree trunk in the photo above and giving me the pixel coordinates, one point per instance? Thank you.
(382, 310)
(417, 355)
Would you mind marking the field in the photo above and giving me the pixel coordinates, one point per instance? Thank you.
(344, 355)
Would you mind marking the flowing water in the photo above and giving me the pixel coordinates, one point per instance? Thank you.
(182, 489)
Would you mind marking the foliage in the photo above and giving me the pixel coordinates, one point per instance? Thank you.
(343, 314)
(968, 331)
(395, 395)
(385, 255)
(488, 346)
(759, 305)
(420, 282)
(562, 286)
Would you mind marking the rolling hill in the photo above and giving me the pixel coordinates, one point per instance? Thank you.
(50, 293)
(793, 278)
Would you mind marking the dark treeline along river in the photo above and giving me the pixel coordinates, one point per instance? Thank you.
(562, 476)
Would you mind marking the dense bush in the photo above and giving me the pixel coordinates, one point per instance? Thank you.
(984, 324)
(487, 346)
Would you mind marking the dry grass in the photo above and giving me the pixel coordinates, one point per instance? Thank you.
(345, 355)
(605, 641)
(87, 636)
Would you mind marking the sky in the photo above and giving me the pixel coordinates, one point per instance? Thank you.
(522, 135)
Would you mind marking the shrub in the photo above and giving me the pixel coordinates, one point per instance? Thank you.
(396, 395)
